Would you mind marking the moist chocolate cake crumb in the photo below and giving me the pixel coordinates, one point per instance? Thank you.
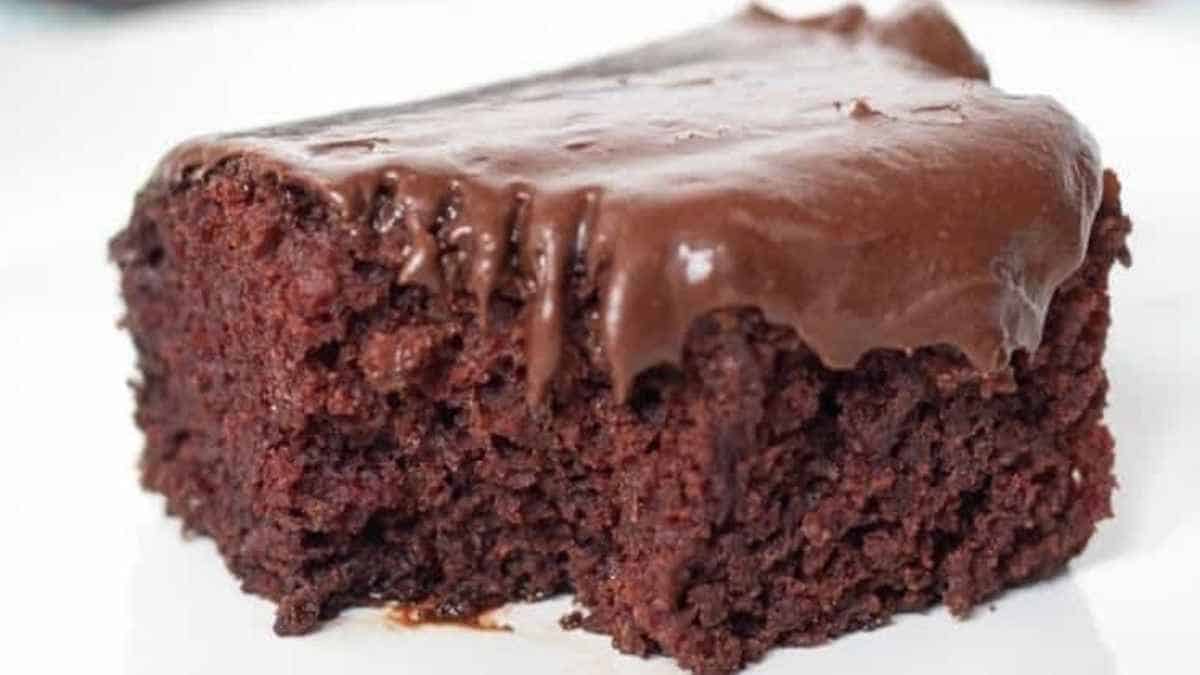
(571, 621)
(371, 381)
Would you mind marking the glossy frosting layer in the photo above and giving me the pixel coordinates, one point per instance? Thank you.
(857, 179)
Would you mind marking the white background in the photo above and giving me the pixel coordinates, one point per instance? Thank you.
(93, 578)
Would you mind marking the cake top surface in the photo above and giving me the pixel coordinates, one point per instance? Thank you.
(855, 178)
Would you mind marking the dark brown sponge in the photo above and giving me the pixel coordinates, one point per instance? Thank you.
(347, 440)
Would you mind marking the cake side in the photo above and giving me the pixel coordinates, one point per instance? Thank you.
(344, 438)
(378, 446)
(793, 504)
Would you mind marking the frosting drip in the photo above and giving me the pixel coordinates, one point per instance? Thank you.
(857, 179)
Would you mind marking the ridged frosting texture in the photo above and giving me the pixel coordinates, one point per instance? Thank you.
(856, 179)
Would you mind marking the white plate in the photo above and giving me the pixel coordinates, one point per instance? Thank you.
(95, 579)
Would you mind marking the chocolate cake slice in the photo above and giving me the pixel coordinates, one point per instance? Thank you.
(748, 338)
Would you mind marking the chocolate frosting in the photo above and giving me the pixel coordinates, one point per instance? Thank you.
(857, 179)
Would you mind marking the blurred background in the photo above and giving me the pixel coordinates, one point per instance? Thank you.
(92, 93)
